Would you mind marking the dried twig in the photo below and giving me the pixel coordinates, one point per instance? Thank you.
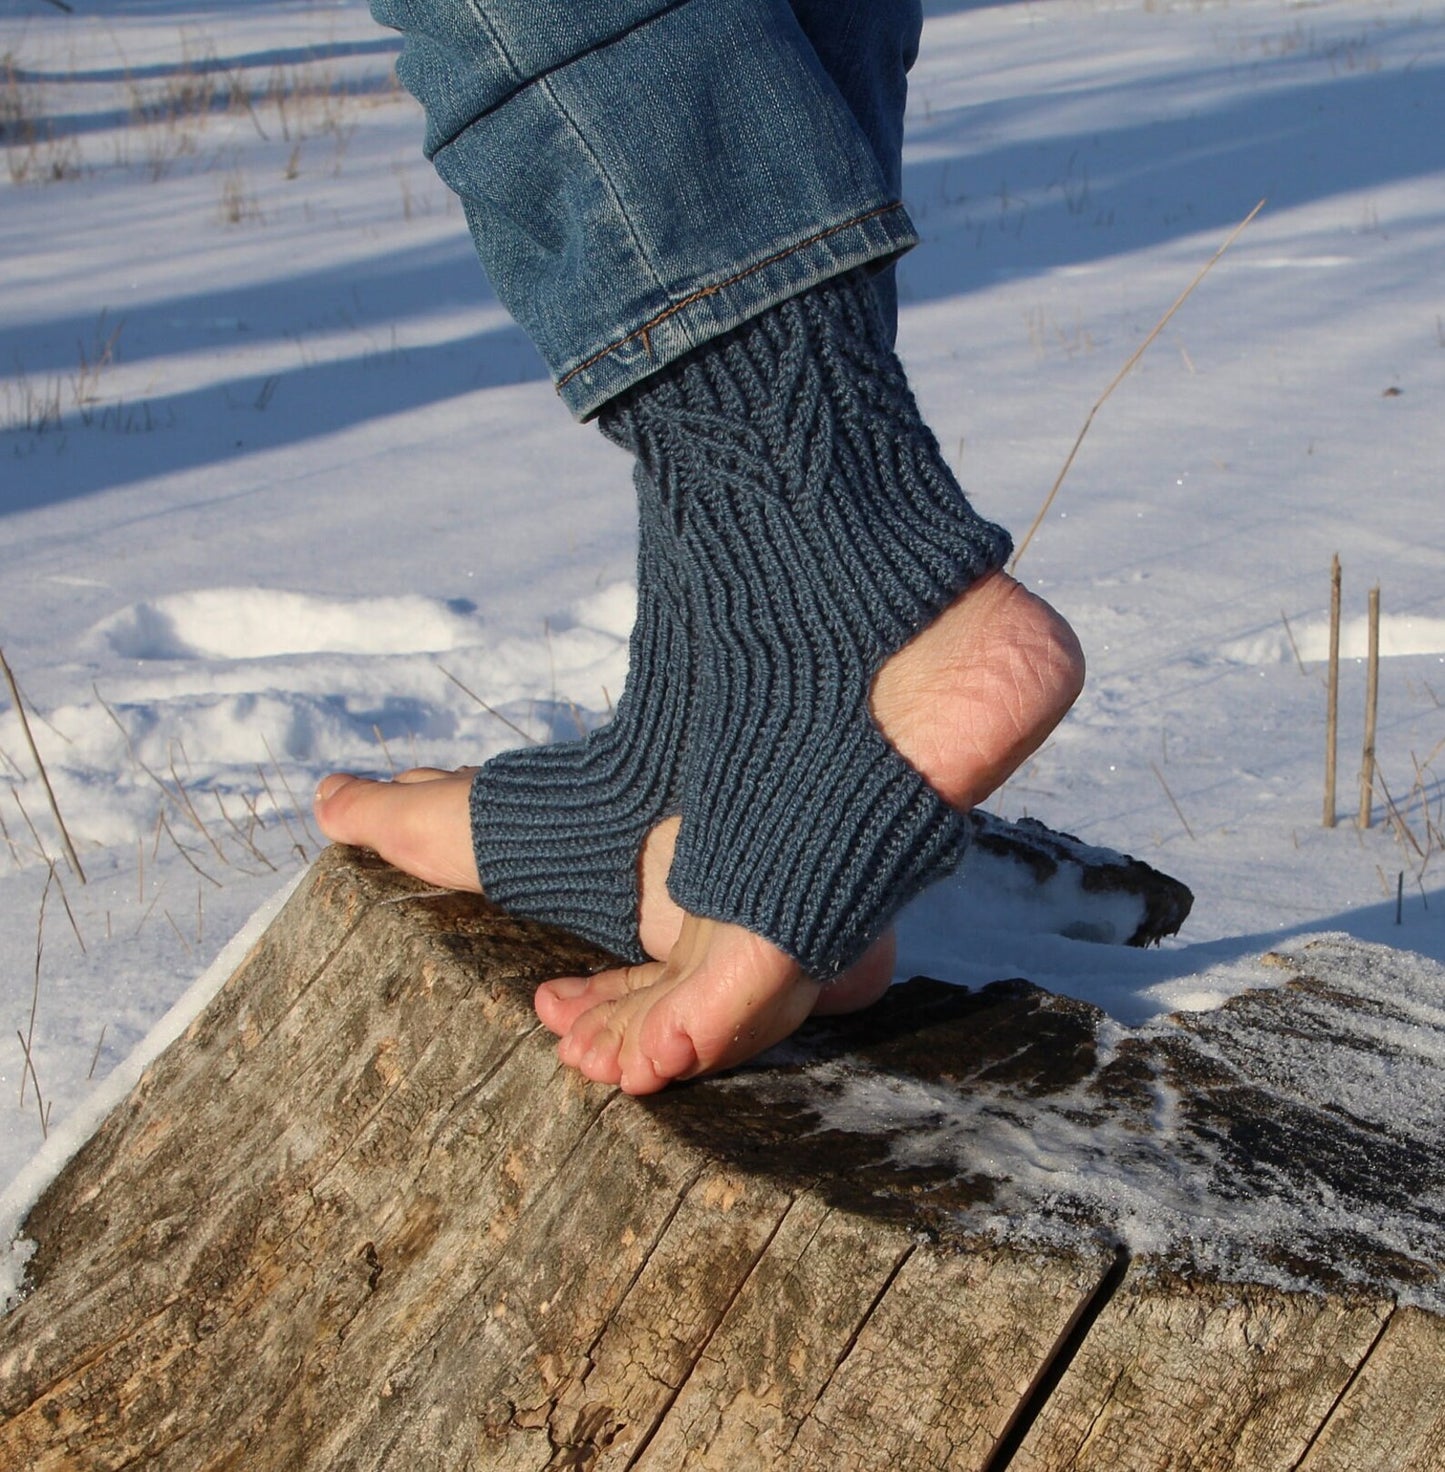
(1178, 810)
(40, 765)
(1372, 701)
(1332, 699)
(491, 711)
(1123, 373)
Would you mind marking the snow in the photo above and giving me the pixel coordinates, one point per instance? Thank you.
(283, 490)
(1176, 1186)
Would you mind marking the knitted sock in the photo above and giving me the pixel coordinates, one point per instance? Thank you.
(557, 830)
(819, 529)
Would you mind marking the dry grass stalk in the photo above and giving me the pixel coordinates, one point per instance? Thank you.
(29, 1068)
(70, 853)
(1289, 634)
(385, 750)
(184, 852)
(1177, 809)
(190, 949)
(1372, 700)
(70, 915)
(180, 798)
(95, 1057)
(28, 1037)
(244, 838)
(194, 816)
(281, 813)
(296, 806)
(155, 900)
(14, 852)
(1397, 818)
(510, 725)
(39, 844)
(1332, 700)
(1123, 373)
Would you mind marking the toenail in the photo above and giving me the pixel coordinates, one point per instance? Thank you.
(329, 786)
(567, 988)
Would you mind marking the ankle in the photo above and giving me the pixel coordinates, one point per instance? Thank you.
(979, 690)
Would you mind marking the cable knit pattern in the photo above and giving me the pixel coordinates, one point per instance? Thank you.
(817, 529)
(557, 830)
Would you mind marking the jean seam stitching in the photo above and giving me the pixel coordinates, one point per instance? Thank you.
(543, 75)
(647, 328)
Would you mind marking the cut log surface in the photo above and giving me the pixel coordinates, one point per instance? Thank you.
(359, 1217)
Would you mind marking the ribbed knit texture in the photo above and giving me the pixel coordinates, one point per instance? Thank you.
(817, 530)
(557, 830)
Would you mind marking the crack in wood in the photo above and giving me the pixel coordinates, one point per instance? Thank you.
(1345, 1389)
(719, 1319)
(1065, 1350)
(853, 1337)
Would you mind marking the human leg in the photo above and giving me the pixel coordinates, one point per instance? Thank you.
(865, 674)
(726, 991)
(642, 175)
(558, 829)
(819, 530)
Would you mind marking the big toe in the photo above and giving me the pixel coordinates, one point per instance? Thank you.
(423, 827)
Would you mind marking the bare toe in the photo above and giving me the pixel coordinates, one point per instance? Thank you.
(561, 1001)
(723, 996)
(422, 824)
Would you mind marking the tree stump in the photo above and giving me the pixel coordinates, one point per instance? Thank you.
(359, 1217)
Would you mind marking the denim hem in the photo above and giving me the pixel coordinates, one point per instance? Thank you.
(872, 238)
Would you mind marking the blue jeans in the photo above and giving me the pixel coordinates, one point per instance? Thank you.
(642, 175)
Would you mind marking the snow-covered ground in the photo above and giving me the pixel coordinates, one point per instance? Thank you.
(283, 490)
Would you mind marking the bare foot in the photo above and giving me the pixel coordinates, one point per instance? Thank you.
(965, 702)
(421, 822)
(418, 821)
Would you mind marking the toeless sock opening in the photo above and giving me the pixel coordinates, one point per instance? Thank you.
(557, 830)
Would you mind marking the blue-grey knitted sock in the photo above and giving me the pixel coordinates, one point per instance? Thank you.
(819, 529)
(557, 829)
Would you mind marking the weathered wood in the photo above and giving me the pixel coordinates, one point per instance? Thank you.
(1393, 1412)
(360, 1218)
(1201, 1377)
